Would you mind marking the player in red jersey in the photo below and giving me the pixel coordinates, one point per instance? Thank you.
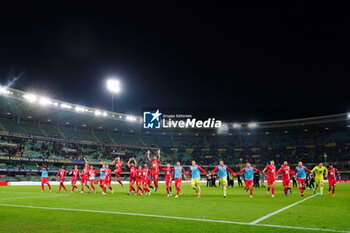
(146, 181)
(132, 167)
(155, 168)
(118, 169)
(85, 177)
(62, 173)
(75, 173)
(108, 179)
(286, 173)
(169, 174)
(271, 173)
(332, 178)
(138, 179)
(92, 174)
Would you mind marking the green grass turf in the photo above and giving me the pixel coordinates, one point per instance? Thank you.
(318, 212)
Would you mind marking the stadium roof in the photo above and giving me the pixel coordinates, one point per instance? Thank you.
(29, 106)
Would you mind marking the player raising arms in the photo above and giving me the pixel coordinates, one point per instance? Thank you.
(145, 180)
(169, 174)
(178, 173)
(248, 177)
(92, 174)
(286, 173)
(138, 179)
(44, 177)
(62, 173)
(300, 173)
(155, 168)
(196, 177)
(108, 179)
(75, 172)
(332, 179)
(271, 173)
(222, 174)
(320, 172)
(102, 172)
(118, 169)
(132, 167)
(85, 176)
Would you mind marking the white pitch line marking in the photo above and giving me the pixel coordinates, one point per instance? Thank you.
(12, 198)
(280, 210)
(173, 217)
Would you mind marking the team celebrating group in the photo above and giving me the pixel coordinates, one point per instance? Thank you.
(142, 177)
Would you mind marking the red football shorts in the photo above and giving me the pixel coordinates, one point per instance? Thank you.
(286, 182)
(84, 180)
(74, 181)
(107, 182)
(117, 175)
(249, 183)
(301, 181)
(168, 182)
(91, 181)
(102, 181)
(178, 182)
(271, 181)
(44, 180)
(146, 182)
(132, 179)
(138, 182)
(332, 182)
(155, 175)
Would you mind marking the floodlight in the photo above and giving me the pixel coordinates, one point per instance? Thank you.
(97, 113)
(348, 115)
(3, 90)
(252, 125)
(104, 114)
(45, 101)
(79, 109)
(236, 125)
(30, 97)
(113, 85)
(67, 106)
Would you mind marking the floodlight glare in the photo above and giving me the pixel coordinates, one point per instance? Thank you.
(97, 113)
(236, 125)
(252, 125)
(79, 109)
(45, 101)
(3, 90)
(348, 115)
(67, 106)
(113, 85)
(30, 97)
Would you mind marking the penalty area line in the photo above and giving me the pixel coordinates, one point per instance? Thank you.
(171, 217)
(283, 209)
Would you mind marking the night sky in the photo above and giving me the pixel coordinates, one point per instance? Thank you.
(251, 64)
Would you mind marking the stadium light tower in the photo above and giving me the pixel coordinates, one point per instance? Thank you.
(113, 86)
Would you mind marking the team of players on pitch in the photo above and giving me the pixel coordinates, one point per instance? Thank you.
(142, 177)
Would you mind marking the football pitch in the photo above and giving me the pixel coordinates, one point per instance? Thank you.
(27, 209)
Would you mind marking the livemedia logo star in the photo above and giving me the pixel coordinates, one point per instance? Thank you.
(152, 120)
